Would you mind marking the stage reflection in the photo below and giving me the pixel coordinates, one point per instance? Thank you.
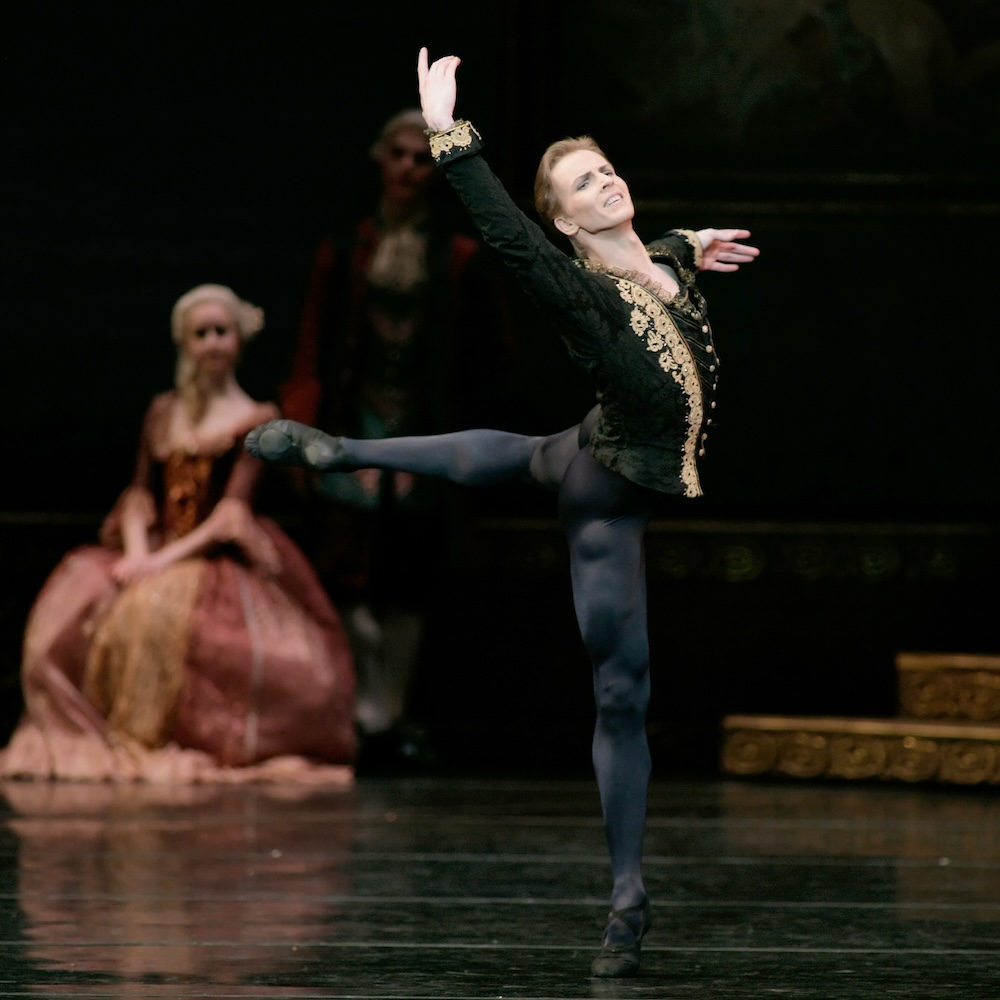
(940, 845)
(151, 875)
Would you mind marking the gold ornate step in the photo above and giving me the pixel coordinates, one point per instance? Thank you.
(949, 686)
(962, 753)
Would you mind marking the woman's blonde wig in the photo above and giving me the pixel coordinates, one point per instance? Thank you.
(249, 321)
(249, 318)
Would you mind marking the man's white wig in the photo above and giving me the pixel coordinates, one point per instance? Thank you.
(408, 118)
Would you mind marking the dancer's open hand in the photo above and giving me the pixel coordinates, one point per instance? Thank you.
(720, 253)
(438, 90)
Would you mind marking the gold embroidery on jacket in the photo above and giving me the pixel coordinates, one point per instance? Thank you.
(651, 322)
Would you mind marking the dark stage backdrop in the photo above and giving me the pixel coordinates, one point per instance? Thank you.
(860, 141)
(153, 148)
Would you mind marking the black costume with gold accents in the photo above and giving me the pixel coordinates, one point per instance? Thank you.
(650, 355)
(653, 364)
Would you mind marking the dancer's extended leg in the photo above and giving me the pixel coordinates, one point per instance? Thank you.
(471, 458)
(604, 517)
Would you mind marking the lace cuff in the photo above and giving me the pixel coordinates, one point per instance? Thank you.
(458, 140)
(696, 248)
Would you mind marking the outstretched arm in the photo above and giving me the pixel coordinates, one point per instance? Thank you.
(720, 253)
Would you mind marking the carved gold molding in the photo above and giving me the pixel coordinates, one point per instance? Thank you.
(949, 686)
(858, 749)
(740, 552)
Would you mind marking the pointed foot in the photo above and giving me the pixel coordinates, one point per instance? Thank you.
(286, 442)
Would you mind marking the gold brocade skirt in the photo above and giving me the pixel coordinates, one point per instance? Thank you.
(135, 665)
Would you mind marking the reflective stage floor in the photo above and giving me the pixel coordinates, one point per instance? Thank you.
(486, 888)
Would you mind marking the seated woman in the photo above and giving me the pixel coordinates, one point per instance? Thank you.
(195, 643)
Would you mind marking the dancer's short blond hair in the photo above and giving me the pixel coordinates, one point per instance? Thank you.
(546, 203)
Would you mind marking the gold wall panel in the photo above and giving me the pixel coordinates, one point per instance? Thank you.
(861, 749)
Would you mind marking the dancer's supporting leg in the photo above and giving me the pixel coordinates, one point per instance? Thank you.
(604, 517)
(469, 458)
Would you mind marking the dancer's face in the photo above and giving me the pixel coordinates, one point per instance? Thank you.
(407, 166)
(211, 337)
(591, 196)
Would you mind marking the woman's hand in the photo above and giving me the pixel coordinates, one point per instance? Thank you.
(720, 253)
(438, 90)
(130, 567)
(233, 522)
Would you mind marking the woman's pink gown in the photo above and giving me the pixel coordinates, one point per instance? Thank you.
(212, 670)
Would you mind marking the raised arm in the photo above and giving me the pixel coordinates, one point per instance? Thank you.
(548, 274)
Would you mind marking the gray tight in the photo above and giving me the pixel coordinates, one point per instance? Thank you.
(603, 516)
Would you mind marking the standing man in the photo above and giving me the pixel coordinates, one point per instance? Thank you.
(389, 344)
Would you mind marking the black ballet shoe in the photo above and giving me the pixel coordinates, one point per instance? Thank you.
(287, 442)
(622, 961)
